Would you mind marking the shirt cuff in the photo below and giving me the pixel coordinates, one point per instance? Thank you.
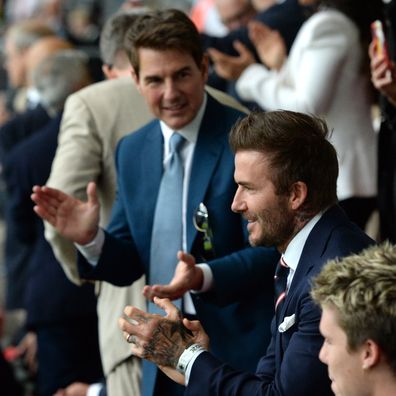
(207, 279)
(187, 359)
(92, 250)
(94, 389)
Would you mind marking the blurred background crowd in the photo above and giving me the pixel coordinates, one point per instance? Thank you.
(260, 63)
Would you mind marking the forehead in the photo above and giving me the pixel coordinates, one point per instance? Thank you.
(251, 157)
(231, 8)
(153, 61)
(329, 320)
(251, 164)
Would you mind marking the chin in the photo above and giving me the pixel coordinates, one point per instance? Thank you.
(176, 123)
(253, 242)
(334, 389)
(258, 241)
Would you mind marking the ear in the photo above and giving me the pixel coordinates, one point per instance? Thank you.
(298, 195)
(205, 67)
(136, 80)
(108, 72)
(371, 354)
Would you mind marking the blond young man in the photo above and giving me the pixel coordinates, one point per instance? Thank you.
(357, 296)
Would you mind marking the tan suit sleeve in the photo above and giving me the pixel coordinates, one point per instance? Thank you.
(77, 161)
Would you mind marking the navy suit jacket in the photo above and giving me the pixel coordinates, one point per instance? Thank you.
(240, 330)
(50, 297)
(20, 127)
(291, 365)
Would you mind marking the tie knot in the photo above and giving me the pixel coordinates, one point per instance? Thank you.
(282, 269)
(283, 262)
(175, 142)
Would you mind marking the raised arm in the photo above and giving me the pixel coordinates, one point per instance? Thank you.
(75, 220)
(383, 75)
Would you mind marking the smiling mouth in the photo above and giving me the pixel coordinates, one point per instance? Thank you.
(176, 107)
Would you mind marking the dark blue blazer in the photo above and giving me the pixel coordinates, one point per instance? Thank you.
(291, 365)
(239, 331)
(18, 128)
(47, 287)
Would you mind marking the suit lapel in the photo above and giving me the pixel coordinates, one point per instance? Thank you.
(208, 149)
(314, 248)
(150, 174)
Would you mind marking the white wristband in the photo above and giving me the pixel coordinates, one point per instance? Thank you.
(187, 356)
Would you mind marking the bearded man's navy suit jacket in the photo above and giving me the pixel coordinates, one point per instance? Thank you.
(291, 365)
(239, 326)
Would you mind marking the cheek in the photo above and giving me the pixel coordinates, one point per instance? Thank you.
(153, 98)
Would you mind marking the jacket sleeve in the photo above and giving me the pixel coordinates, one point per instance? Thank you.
(300, 373)
(77, 162)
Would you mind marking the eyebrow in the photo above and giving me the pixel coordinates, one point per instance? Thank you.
(244, 183)
(156, 76)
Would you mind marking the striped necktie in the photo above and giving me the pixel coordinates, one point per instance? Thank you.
(280, 282)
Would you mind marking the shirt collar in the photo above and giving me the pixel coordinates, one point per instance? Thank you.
(190, 131)
(295, 247)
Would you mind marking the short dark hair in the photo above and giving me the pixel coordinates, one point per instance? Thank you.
(164, 30)
(298, 150)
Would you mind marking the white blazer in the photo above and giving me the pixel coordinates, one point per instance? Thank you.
(322, 76)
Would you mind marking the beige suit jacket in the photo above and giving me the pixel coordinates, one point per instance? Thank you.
(94, 120)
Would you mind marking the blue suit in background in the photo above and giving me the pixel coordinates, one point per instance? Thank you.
(62, 315)
(291, 365)
(239, 330)
(16, 253)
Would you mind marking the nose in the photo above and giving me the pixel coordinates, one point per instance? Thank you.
(170, 90)
(238, 204)
(322, 354)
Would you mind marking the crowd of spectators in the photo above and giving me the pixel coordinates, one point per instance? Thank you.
(77, 77)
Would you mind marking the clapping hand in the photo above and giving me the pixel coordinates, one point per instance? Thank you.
(187, 277)
(161, 339)
(269, 44)
(73, 219)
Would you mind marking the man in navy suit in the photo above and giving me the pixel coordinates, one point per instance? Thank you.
(286, 173)
(170, 71)
(61, 315)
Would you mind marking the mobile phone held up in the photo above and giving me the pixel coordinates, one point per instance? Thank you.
(380, 44)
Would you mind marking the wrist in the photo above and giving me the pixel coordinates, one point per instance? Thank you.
(188, 355)
(199, 279)
(89, 237)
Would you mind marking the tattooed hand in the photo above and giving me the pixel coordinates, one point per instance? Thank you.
(160, 339)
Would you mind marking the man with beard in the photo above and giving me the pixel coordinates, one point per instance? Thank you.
(286, 171)
(177, 163)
